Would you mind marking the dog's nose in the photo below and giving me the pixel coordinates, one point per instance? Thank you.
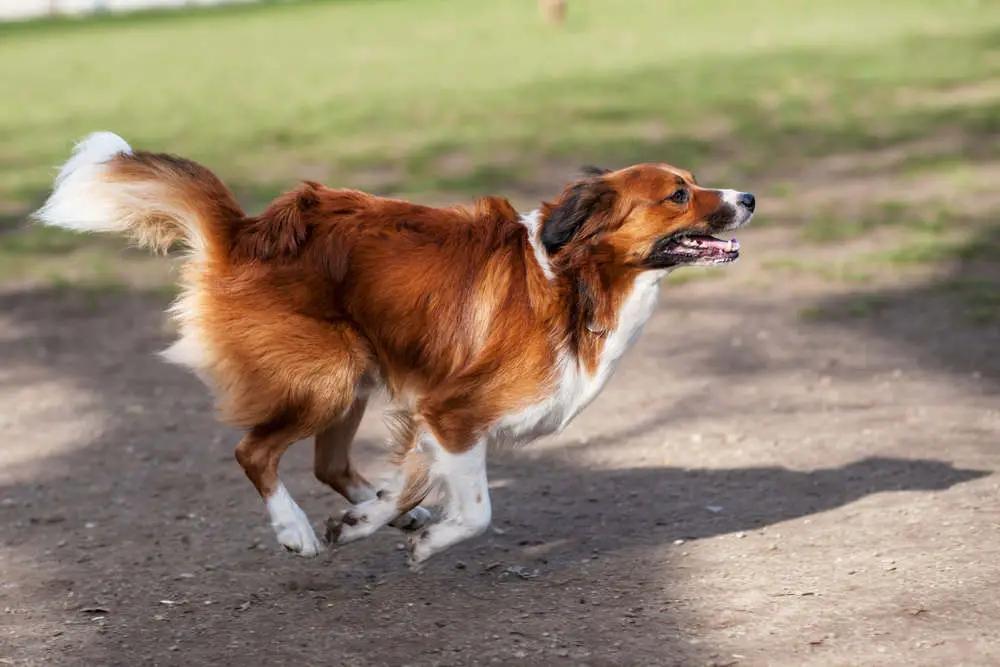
(748, 200)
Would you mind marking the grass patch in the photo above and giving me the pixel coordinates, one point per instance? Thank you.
(859, 306)
(931, 249)
(263, 94)
(38, 240)
(827, 228)
(979, 298)
(102, 265)
(471, 97)
(693, 275)
(832, 271)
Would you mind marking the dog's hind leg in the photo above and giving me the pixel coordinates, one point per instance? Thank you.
(259, 453)
(332, 466)
(332, 456)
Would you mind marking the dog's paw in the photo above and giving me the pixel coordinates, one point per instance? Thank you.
(413, 520)
(352, 525)
(333, 529)
(291, 525)
(417, 555)
(299, 538)
(421, 545)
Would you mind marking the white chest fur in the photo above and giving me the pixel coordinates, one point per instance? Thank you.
(575, 388)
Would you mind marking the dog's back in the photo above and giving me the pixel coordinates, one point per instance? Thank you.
(329, 290)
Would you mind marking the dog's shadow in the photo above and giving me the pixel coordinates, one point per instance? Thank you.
(552, 514)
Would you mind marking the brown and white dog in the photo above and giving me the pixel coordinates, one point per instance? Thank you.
(482, 324)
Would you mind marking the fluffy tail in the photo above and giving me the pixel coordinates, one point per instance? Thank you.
(155, 199)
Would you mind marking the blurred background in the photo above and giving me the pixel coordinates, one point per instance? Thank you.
(868, 132)
(851, 352)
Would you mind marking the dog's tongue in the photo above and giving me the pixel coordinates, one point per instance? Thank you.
(712, 242)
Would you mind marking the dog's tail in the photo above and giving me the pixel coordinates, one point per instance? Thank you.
(156, 199)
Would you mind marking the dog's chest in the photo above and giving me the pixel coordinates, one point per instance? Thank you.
(575, 388)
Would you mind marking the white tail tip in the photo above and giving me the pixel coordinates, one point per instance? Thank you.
(81, 200)
(97, 148)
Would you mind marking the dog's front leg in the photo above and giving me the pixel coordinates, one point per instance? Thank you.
(467, 509)
(396, 503)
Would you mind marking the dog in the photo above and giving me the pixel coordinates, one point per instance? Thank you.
(483, 325)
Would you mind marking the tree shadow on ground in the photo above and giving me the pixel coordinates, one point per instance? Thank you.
(149, 506)
(950, 322)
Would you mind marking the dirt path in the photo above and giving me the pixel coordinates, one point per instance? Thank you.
(753, 488)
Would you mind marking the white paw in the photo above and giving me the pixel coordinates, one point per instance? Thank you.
(291, 525)
(440, 536)
(418, 550)
(299, 538)
(435, 538)
(358, 521)
(349, 527)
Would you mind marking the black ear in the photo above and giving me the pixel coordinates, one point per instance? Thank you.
(580, 202)
(591, 170)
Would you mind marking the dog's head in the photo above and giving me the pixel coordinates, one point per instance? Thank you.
(648, 216)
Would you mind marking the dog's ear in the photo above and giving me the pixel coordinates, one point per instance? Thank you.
(591, 170)
(579, 203)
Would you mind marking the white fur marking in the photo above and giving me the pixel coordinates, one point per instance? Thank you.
(81, 200)
(532, 222)
(190, 349)
(743, 214)
(575, 388)
(731, 196)
(467, 509)
(291, 524)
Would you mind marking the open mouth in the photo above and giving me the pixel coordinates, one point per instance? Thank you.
(701, 249)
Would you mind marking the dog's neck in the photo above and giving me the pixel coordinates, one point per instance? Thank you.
(600, 310)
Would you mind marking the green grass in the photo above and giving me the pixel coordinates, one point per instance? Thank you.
(37, 240)
(824, 227)
(832, 271)
(858, 306)
(934, 249)
(976, 300)
(267, 94)
(457, 97)
(979, 297)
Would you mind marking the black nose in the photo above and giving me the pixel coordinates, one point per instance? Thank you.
(748, 200)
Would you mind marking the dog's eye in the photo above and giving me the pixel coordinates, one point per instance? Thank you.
(679, 197)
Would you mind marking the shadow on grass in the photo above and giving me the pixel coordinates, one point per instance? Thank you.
(901, 96)
(122, 512)
(950, 322)
(759, 117)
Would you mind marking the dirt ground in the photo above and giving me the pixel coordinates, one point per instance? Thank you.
(754, 487)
